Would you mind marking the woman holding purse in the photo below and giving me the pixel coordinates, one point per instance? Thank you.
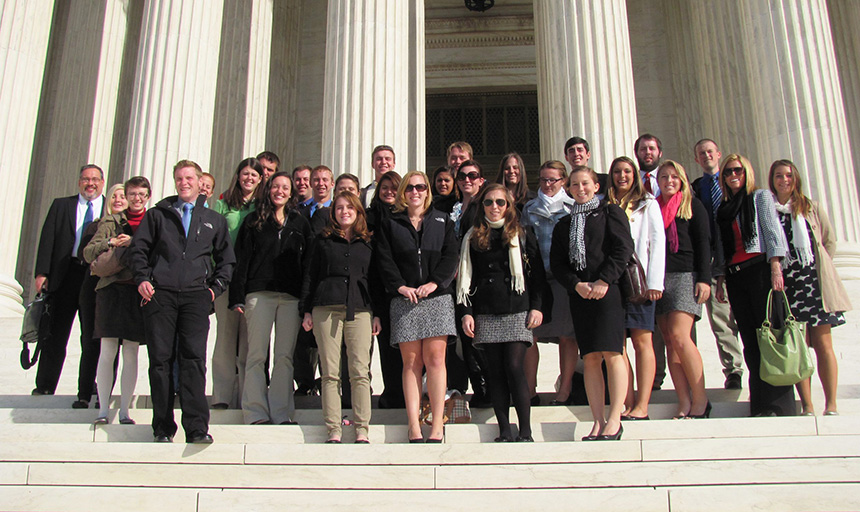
(815, 292)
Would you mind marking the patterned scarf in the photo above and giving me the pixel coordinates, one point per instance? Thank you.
(577, 231)
(799, 234)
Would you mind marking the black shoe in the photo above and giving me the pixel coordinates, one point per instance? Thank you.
(525, 439)
(199, 438)
(220, 407)
(734, 381)
(614, 437)
(417, 440)
(706, 414)
(332, 441)
(80, 404)
(305, 390)
(434, 441)
(635, 418)
(40, 392)
(288, 422)
(589, 438)
(504, 439)
(162, 438)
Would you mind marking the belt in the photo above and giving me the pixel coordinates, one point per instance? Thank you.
(734, 269)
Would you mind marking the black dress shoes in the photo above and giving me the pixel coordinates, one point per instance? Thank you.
(614, 437)
(199, 438)
(162, 438)
(40, 392)
(80, 404)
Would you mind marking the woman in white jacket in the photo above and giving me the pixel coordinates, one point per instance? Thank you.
(646, 228)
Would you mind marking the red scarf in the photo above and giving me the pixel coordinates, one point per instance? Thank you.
(669, 210)
(134, 219)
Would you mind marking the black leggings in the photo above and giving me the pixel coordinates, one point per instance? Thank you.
(507, 380)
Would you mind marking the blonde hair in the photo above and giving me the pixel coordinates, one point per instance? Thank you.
(685, 211)
(400, 199)
(748, 172)
(109, 196)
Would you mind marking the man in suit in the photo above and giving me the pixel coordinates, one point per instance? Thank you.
(60, 272)
(649, 151)
(382, 161)
(182, 259)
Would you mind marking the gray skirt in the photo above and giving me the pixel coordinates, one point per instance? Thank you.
(679, 294)
(502, 329)
(429, 318)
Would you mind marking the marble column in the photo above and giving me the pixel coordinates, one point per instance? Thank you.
(110, 67)
(585, 78)
(844, 20)
(367, 84)
(173, 105)
(25, 26)
(800, 110)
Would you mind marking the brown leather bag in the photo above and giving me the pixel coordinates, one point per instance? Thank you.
(108, 263)
(634, 289)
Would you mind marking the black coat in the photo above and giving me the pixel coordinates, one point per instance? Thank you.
(58, 240)
(405, 257)
(338, 275)
(490, 292)
(271, 258)
(162, 254)
(608, 247)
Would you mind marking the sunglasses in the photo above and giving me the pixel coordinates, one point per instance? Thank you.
(731, 171)
(471, 176)
(499, 202)
(420, 187)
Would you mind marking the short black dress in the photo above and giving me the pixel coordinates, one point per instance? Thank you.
(802, 287)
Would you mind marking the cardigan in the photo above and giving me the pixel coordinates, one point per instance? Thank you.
(769, 236)
(490, 291)
(694, 245)
(608, 247)
(649, 239)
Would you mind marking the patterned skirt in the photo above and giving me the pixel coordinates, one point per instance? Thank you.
(804, 297)
(502, 329)
(679, 294)
(429, 318)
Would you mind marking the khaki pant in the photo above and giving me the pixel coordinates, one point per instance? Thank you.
(330, 327)
(275, 402)
(231, 349)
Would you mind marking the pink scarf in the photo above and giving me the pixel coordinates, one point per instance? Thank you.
(669, 210)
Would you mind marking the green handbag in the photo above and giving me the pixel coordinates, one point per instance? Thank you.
(785, 358)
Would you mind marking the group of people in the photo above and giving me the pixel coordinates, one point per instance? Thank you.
(456, 277)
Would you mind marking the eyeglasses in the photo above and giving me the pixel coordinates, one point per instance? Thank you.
(90, 180)
(499, 202)
(420, 187)
(472, 176)
(731, 171)
(142, 195)
(549, 181)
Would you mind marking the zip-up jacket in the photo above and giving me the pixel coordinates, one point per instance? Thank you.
(405, 257)
(338, 275)
(270, 258)
(161, 253)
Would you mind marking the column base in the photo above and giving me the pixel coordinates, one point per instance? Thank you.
(11, 303)
(847, 260)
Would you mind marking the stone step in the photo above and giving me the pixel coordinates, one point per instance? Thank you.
(453, 476)
(459, 433)
(478, 454)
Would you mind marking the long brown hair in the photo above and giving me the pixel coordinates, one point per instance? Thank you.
(266, 208)
(233, 196)
(391, 176)
(521, 189)
(481, 234)
(359, 227)
(800, 204)
(637, 192)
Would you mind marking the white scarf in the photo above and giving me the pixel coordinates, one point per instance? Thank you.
(799, 234)
(552, 204)
(464, 276)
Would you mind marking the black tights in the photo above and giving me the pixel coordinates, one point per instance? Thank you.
(507, 380)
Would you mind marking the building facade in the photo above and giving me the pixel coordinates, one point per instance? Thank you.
(136, 85)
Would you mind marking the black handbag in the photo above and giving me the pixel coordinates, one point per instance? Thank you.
(634, 289)
(35, 328)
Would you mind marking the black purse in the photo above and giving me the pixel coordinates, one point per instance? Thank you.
(634, 289)
(35, 328)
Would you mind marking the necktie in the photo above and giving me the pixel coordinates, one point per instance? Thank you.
(88, 217)
(648, 183)
(186, 216)
(716, 193)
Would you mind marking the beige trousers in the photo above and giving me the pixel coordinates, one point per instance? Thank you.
(231, 349)
(331, 331)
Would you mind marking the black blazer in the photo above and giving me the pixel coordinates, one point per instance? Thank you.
(490, 291)
(58, 240)
(338, 275)
(608, 247)
(405, 257)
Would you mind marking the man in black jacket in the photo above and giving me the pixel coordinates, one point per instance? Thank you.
(172, 257)
(61, 273)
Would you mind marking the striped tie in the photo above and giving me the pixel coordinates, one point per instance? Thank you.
(716, 193)
(648, 183)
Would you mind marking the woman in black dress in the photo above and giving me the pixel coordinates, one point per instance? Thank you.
(499, 293)
(590, 250)
(813, 287)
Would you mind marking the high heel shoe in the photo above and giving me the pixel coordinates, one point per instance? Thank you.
(706, 414)
(614, 437)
